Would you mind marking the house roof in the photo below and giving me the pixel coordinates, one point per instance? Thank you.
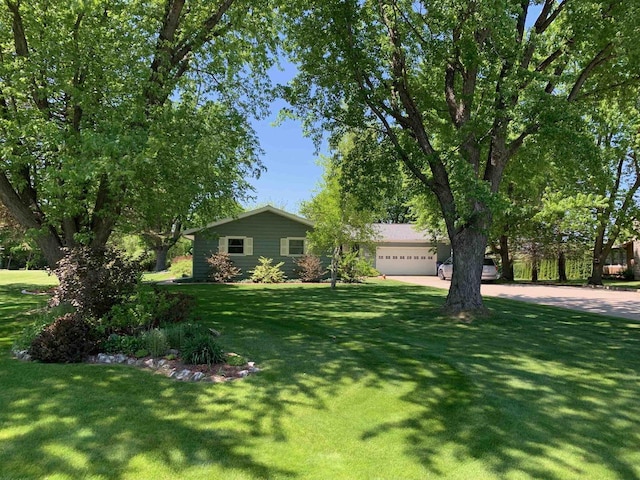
(268, 208)
(402, 232)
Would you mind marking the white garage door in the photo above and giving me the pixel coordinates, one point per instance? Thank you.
(406, 260)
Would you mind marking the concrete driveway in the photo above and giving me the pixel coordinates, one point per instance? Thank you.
(594, 300)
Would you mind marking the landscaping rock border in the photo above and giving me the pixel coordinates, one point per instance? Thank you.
(170, 368)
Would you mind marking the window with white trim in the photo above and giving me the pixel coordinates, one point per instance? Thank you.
(293, 246)
(236, 245)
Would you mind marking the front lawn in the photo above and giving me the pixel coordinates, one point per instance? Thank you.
(367, 382)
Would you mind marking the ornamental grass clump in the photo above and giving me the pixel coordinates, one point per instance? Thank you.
(202, 349)
(156, 342)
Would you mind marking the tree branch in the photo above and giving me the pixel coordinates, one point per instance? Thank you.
(601, 57)
(547, 16)
(171, 58)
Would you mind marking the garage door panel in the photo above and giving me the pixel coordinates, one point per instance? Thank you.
(406, 260)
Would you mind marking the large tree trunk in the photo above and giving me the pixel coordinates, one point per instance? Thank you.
(161, 242)
(468, 247)
(600, 253)
(562, 267)
(161, 257)
(506, 260)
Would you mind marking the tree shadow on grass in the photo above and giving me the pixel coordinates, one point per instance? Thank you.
(530, 390)
(15, 309)
(80, 421)
(547, 392)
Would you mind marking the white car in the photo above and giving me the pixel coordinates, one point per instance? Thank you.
(489, 269)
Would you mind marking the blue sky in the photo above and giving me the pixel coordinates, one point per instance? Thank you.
(290, 158)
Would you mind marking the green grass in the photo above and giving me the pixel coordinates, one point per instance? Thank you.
(368, 382)
(622, 283)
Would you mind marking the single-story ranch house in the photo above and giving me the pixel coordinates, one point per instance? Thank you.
(273, 233)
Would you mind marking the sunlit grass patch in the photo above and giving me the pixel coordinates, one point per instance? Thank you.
(368, 381)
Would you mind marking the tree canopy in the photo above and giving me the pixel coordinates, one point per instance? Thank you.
(458, 88)
(86, 89)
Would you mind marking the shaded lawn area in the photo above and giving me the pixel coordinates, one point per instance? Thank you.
(368, 382)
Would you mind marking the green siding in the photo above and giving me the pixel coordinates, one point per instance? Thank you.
(266, 229)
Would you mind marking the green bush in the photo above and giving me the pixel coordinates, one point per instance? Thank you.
(130, 318)
(67, 340)
(202, 349)
(265, 272)
(222, 269)
(178, 334)
(309, 268)
(126, 344)
(354, 268)
(148, 309)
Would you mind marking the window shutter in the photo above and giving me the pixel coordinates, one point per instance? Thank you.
(284, 247)
(222, 245)
(248, 246)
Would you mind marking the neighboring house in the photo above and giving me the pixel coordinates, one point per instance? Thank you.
(282, 236)
(401, 249)
(624, 257)
(265, 232)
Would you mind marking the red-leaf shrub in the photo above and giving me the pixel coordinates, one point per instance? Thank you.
(67, 340)
(222, 268)
(309, 268)
(94, 279)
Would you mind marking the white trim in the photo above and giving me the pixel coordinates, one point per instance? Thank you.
(285, 244)
(247, 246)
(222, 245)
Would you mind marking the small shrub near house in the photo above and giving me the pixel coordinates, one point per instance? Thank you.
(309, 268)
(266, 272)
(353, 268)
(222, 268)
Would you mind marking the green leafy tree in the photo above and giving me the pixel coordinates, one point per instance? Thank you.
(370, 179)
(554, 170)
(200, 159)
(85, 88)
(458, 88)
(617, 135)
(339, 225)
